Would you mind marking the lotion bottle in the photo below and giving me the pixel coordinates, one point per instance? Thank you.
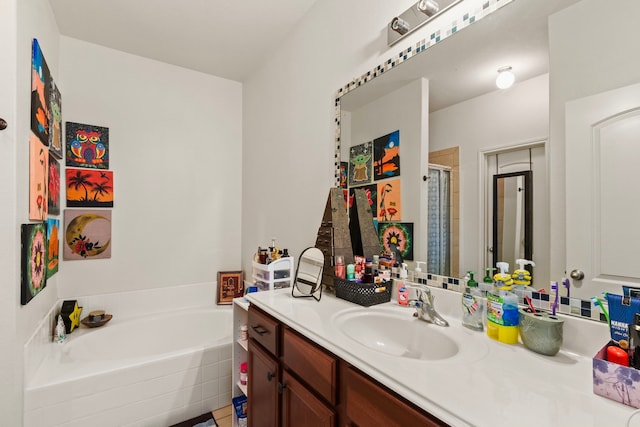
(472, 305)
(403, 291)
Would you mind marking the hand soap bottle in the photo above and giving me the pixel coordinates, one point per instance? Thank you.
(503, 317)
(487, 282)
(521, 276)
(503, 279)
(403, 291)
(472, 305)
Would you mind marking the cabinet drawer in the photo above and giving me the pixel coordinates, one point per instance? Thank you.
(264, 329)
(312, 364)
(368, 404)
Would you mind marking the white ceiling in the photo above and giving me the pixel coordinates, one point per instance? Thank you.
(225, 38)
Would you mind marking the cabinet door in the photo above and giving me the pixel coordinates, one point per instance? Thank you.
(301, 408)
(369, 405)
(263, 400)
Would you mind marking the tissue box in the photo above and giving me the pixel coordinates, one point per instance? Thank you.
(615, 382)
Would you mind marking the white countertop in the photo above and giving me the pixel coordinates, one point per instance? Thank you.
(487, 384)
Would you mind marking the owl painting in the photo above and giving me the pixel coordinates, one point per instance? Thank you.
(87, 146)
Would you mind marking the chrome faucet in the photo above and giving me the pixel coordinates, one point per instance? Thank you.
(424, 307)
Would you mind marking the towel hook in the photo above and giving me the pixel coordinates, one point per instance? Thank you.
(3, 124)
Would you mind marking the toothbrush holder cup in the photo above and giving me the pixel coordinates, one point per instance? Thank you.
(541, 332)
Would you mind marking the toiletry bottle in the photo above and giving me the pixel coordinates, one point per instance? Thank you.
(487, 282)
(403, 291)
(339, 267)
(472, 305)
(503, 316)
(243, 373)
(351, 272)
(61, 332)
(503, 279)
(522, 276)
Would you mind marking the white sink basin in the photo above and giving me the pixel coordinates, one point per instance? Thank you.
(397, 334)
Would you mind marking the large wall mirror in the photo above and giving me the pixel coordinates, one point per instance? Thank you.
(444, 98)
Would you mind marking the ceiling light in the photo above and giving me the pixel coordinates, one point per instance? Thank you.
(428, 7)
(505, 78)
(399, 26)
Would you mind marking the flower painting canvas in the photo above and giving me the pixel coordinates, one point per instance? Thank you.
(33, 277)
(87, 234)
(89, 188)
(87, 146)
(53, 246)
(397, 237)
(389, 201)
(53, 187)
(386, 159)
(38, 165)
(360, 161)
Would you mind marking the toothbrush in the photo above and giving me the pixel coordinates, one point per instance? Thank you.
(533, 309)
(567, 284)
(598, 302)
(554, 287)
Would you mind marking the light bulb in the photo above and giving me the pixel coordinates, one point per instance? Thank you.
(400, 26)
(505, 78)
(428, 7)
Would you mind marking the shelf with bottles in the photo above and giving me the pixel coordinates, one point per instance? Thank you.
(275, 275)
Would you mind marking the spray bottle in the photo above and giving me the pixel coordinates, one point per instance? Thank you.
(472, 305)
(521, 276)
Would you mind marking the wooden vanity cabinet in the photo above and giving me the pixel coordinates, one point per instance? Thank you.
(294, 382)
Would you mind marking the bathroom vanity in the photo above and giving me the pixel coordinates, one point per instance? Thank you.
(336, 363)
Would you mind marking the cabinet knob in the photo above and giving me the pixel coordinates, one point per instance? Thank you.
(270, 376)
(259, 330)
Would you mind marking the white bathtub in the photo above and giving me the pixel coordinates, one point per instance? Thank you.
(153, 370)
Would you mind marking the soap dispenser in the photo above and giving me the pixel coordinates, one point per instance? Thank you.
(403, 291)
(503, 279)
(522, 276)
(472, 305)
(487, 282)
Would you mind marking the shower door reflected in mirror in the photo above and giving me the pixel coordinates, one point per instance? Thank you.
(512, 217)
(439, 220)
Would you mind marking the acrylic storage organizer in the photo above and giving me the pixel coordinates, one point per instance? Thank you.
(365, 294)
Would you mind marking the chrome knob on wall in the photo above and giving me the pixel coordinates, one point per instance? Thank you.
(3, 124)
(577, 274)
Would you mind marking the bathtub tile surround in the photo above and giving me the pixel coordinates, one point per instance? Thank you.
(164, 391)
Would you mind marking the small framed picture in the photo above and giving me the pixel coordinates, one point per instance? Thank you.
(230, 286)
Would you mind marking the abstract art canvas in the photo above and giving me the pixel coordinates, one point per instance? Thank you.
(53, 186)
(33, 271)
(389, 201)
(397, 237)
(38, 166)
(55, 120)
(87, 146)
(386, 157)
(53, 246)
(89, 188)
(87, 234)
(40, 94)
(360, 163)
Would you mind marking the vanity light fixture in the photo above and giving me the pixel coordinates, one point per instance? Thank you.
(505, 78)
(400, 26)
(415, 17)
(428, 7)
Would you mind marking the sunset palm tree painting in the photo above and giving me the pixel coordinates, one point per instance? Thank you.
(386, 158)
(89, 188)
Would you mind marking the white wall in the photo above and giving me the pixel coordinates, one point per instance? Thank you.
(593, 49)
(175, 150)
(498, 119)
(289, 117)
